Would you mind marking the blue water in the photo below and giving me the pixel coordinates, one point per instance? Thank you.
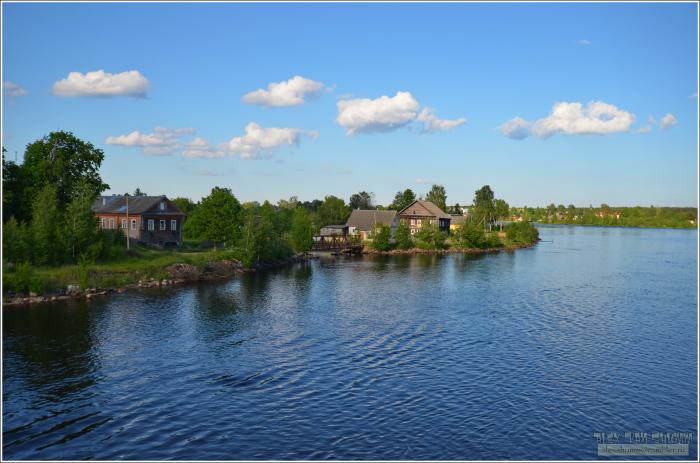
(520, 355)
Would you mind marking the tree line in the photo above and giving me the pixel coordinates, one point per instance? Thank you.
(605, 215)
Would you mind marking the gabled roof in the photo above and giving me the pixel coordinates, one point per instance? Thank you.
(368, 219)
(137, 205)
(103, 200)
(423, 208)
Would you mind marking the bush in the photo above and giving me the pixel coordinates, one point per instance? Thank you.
(470, 236)
(522, 233)
(24, 279)
(403, 237)
(381, 238)
(430, 237)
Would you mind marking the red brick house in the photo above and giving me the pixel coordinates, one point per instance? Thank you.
(144, 219)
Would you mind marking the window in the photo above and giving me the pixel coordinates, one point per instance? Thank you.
(173, 225)
(102, 222)
(162, 224)
(111, 224)
(133, 224)
(162, 205)
(151, 224)
(124, 223)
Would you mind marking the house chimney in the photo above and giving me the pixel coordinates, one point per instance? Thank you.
(104, 200)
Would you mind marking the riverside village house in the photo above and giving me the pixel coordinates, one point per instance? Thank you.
(364, 222)
(420, 210)
(153, 220)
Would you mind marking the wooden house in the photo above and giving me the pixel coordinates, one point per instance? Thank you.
(419, 210)
(151, 220)
(363, 223)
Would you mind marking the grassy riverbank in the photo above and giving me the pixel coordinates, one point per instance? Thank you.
(139, 264)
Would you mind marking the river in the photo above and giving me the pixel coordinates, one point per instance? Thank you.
(517, 355)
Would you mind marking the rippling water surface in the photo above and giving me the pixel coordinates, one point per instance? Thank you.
(508, 356)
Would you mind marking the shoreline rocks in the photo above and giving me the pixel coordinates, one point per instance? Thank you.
(179, 274)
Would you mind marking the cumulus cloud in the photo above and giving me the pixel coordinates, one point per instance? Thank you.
(384, 114)
(293, 92)
(432, 124)
(161, 142)
(595, 118)
(101, 84)
(668, 121)
(516, 128)
(584, 42)
(379, 115)
(258, 140)
(200, 148)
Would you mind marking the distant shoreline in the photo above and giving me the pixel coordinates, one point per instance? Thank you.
(616, 226)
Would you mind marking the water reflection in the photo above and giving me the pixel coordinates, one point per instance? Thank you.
(376, 357)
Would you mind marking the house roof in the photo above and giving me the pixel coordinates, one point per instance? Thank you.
(137, 205)
(422, 208)
(335, 226)
(103, 200)
(368, 219)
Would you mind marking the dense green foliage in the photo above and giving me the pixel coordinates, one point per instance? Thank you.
(302, 232)
(483, 210)
(437, 196)
(48, 215)
(333, 211)
(471, 235)
(522, 233)
(362, 200)
(59, 159)
(184, 204)
(403, 237)
(216, 218)
(403, 199)
(381, 239)
(430, 237)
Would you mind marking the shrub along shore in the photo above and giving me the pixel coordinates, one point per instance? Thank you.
(144, 269)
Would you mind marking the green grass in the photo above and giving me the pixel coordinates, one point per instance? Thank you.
(140, 264)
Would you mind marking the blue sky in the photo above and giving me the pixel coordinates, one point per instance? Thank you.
(476, 67)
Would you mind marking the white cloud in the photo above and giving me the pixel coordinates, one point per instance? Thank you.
(584, 42)
(596, 118)
(384, 114)
(293, 92)
(380, 115)
(647, 128)
(161, 142)
(516, 128)
(693, 95)
(101, 84)
(258, 140)
(200, 148)
(422, 181)
(668, 121)
(255, 142)
(432, 124)
(11, 89)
